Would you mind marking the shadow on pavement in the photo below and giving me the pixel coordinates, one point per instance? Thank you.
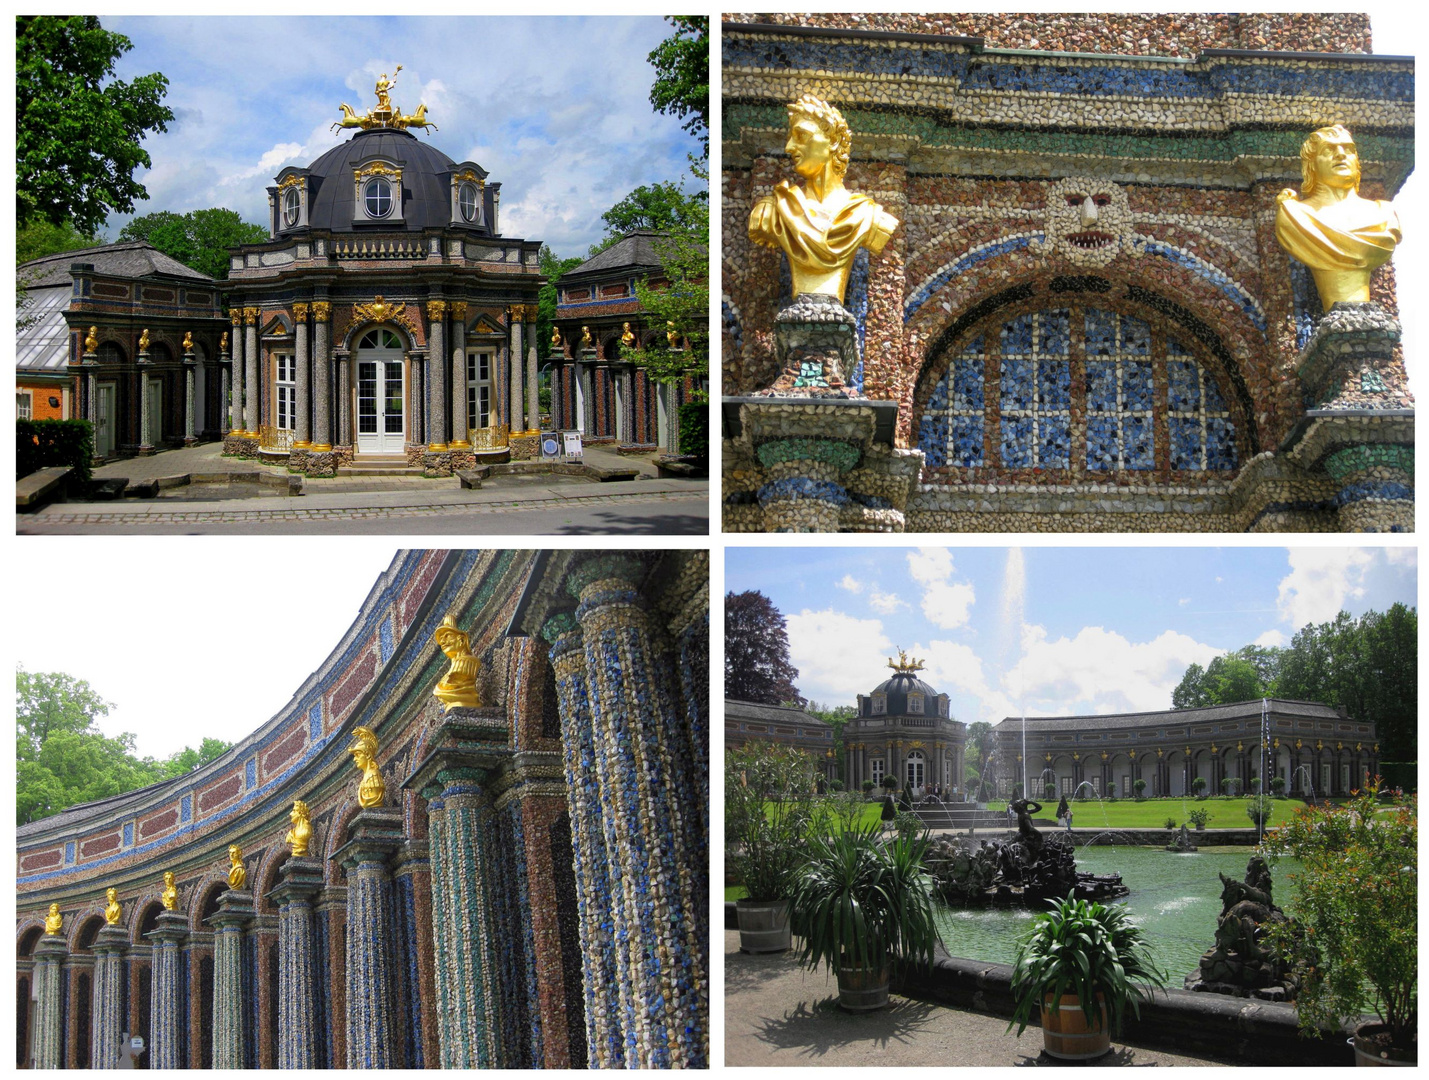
(610, 521)
(814, 1029)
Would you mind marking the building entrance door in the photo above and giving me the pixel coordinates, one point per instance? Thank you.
(381, 394)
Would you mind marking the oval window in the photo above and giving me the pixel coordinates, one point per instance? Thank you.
(379, 198)
(467, 195)
(292, 203)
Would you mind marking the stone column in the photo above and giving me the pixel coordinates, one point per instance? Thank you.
(49, 1021)
(322, 394)
(533, 396)
(514, 401)
(189, 361)
(251, 375)
(644, 769)
(345, 428)
(234, 916)
(105, 1014)
(235, 401)
(438, 402)
(166, 1036)
(468, 745)
(627, 433)
(375, 1029)
(299, 881)
(303, 429)
(587, 378)
(143, 363)
(418, 435)
(460, 439)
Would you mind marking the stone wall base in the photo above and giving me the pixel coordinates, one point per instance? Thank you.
(240, 446)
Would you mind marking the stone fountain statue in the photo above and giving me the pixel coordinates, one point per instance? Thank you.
(1241, 963)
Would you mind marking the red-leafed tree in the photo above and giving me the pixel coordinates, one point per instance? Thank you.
(756, 652)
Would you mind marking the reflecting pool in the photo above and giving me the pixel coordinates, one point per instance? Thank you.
(1176, 898)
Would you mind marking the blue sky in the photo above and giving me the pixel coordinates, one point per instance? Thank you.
(556, 109)
(1097, 630)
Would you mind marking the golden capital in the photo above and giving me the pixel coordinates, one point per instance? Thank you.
(321, 310)
(237, 316)
(458, 685)
(250, 316)
(300, 311)
(54, 921)
(436, 310)
(301, 834)
(112, 909)
(371, 791)
(820, 225)
(1342, 237)
(458, 309)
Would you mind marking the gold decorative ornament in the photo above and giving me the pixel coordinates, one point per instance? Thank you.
(112, 910)
(627, 338)
(237, 874)
(236, 315)
(1132, 755)
(1319, 745)
(1103, 755)
(1240, 748)
(378, 168)
(672, 335)
(291, 181)
(436, 310)
(300, 311)
(458, 685)
(1046, 757)
(321, 310)
(386, 115)
(904, 664)
(370, 790)
(223, 342)
(169, 895)
(54, 921)
(585, 337)
(1340, 236)
(91, 341)
(458, 309)
(469, 175)
(821, 225)
(379, 311)
(144, 340)
(302, 831)
(250, 316)
(1297, 744)
(188, 345)
(555, 337)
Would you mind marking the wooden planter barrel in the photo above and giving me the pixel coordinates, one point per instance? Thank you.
(763, 926)
(1366, 1054)
(1066, 1033)
(862, 989)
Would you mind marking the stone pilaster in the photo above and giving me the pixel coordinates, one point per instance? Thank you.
(106, 1011)
(49, 1021)
(515, 400)
(459, 439)
(626, 433)
(533, 399)
(345, 427)
(322, 392)
(438, 402)
(189, 363)
(587, 378)
(467, 746)
(230, 922)
(645, 769)
(235, 400)
(251, 416)
(145, 403)
(303, 428)
(374, 1026)
(166, 1035)
(299, 881)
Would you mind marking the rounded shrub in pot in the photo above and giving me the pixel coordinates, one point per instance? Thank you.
(767, 813)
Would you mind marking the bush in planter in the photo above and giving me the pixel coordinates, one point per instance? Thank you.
(766, 817)
(1198, 787)
(861, 903)
(908, 824)
(868, 786)
(1139, 786)
(1111, 791)
(1255, 785)
(836, 785)
(1171, 823)
(1259, 809)
(1277, 786)
(1088, 949)
(1357, 904)
(1050, 790)
(1228, 786)
(1199, 817)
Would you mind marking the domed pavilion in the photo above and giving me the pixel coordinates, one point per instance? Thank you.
(903, 729)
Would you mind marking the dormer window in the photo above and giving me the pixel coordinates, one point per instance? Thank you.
(288, 202)
(379, 193)
(469, 200)
(880, 705)
(292, 206)
(915, 703)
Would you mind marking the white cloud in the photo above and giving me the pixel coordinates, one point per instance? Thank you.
(1401, 556)
(838, 655)
(884, 603)
(946, 603)
(1184, 601)
(1271, 639)
(1319, 583)
(269, 164)
(850, 583)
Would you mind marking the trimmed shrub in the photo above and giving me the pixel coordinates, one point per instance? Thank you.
(1198, 786)
(1050, 790)
(1277, 786)
(868, 785)
(695, 428)
(41, 443)
(1139, 786)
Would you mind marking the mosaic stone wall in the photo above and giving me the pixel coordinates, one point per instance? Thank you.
(1121, 192)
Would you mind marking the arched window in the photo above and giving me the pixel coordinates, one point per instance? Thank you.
(378, 196)
(380, 338)
(1084, 390)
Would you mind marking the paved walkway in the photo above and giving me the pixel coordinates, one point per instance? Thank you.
(776, 1013)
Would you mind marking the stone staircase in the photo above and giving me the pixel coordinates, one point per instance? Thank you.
(380, 465)
(962, 816)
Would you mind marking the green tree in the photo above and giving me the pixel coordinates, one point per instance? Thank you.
(682, 82)
(78, 129)
(199, 239)
(554, 268)
(188, 759)
(39, 237)
(837, 717)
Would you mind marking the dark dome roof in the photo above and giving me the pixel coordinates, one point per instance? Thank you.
(426, 181)
(899, 687)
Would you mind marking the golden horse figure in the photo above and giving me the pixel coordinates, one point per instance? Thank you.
(418, 119)
(370, 790)
(349, 118)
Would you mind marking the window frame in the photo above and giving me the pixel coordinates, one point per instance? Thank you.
(285, 391)
(367, 194)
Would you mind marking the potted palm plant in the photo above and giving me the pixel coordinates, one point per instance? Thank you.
(863, 906)
(1080, 965)
(1358, 956)
(766, 819)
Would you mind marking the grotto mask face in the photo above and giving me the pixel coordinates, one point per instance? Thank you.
(1088, 221)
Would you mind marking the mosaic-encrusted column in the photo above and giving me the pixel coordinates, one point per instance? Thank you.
(303, 429)
(299, 881)
(533, 400)
(459, 440)
(466, 745)
(235, 399)
(514, 401)
(251, 417)
(166, 1038)
(146, 399)
(607, 994)
(646, 768)
(49, 1021)
(190, 363)
(374, 1028)
(234, 916)
(107, 1010)
(439, 404)
(322, 392)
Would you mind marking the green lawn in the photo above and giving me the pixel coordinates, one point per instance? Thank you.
(1152, 813)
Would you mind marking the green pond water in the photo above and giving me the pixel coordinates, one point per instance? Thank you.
(1175, 898)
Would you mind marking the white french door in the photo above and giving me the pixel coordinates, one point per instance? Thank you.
(381, 397)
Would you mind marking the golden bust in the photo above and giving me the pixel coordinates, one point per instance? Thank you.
(821, 225)
(237, 875)
(672, 335)
(1340, 236)
(54, 921)
(112, 910)
(301, 834)
(223, 342)
(144, 340)
(585, 337)
(169, 897)
(458, 686)
(370, 789)
(91, 340)
(555, 337)
(627, 338)
(188, 341)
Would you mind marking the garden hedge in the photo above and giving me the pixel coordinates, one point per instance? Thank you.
(41, 443)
